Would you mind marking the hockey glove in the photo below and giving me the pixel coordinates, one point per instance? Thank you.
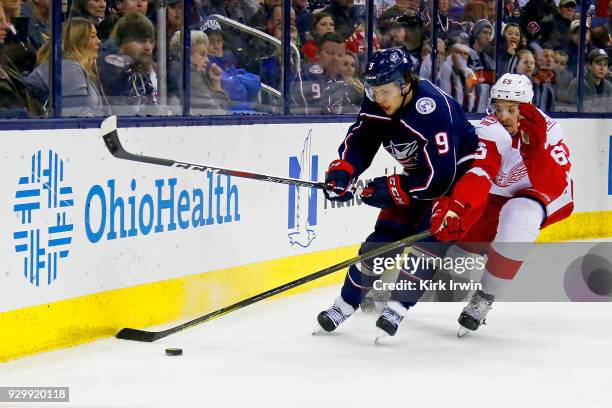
(533, 129)
(385, 192)
(338, 178)
(448, 219)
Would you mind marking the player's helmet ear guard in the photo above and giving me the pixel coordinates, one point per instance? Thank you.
(386, 66)
(512, 87)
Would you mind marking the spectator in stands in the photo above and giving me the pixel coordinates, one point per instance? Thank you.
(275, 19)
(15, 99)
(492, 12)
(401, 7)
(217, 54)
(414, 35)
(600, 37)
(456, 78)
(304, 19)
(537, 18)
(323, 23)
(510, 43)
(573, 45)
(321, 89)
(392, 32)
(511, 10)
(173, 17)
(207, 95)
(37, 12)
(120, 8)
(81, 94)
(347, 17)
(474, 11)
(445, 26)
(351, 73)
(543, 93)
(270, 71)
(93, 10)
(262, 15)
(241, 86)
(597, 96)
(483, 64)
(563, 18)
(545, 63)
(562, 75)
(126, 67)
(17, 45)
(481, 40)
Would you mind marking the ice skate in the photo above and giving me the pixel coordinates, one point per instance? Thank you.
(330, 319)
(475, 313)
(389, 320)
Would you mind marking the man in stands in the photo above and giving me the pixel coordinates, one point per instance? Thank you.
(321, 89)
(597, 89)
(126, 68)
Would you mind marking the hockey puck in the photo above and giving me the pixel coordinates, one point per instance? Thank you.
(174, 352)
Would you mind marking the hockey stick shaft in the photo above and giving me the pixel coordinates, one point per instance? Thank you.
(113, 144)
(148, 336)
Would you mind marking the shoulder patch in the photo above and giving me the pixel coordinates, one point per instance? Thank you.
(425, 106)
(316, 69)
(116, 60)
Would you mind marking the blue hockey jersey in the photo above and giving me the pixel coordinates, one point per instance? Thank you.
(430, 137)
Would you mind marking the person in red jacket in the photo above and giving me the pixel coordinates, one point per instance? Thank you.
(518, 184)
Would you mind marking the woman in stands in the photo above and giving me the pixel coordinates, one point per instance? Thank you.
(323, 24)
(92, 10)
(81, 94)
(207, 95)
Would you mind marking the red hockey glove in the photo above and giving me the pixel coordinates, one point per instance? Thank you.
(338, 178)
(385, 192)
(448, 221)
(533, 129)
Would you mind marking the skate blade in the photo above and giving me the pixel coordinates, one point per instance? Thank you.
(317, 330)
(462, 331)
(380, 335)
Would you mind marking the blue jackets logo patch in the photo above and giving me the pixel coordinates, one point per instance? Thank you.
(425, 106)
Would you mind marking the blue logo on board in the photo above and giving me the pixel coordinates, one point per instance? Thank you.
(43, 203)
(302, 215)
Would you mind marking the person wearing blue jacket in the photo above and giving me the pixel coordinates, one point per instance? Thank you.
(426, 131)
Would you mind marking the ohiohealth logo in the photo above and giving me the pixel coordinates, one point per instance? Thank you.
(42, 202)
(302, 200)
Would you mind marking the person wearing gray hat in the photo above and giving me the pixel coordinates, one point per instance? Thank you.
(597, 95)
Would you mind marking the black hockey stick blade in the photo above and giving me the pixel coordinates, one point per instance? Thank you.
(149, 336)
(113, 144)
(138, 335)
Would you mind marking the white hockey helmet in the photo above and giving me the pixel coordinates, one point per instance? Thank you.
(512, 87)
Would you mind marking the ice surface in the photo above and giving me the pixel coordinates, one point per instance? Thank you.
(529, 355)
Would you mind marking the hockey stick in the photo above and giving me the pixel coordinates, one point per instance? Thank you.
(149, 336)
(111, 139)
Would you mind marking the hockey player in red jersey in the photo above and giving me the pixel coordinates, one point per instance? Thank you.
(518, 184)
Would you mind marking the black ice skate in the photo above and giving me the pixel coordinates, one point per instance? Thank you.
(331, 318)
(389, 320)
(475, 313)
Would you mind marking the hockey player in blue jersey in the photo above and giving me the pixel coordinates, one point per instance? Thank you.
(426, 131)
